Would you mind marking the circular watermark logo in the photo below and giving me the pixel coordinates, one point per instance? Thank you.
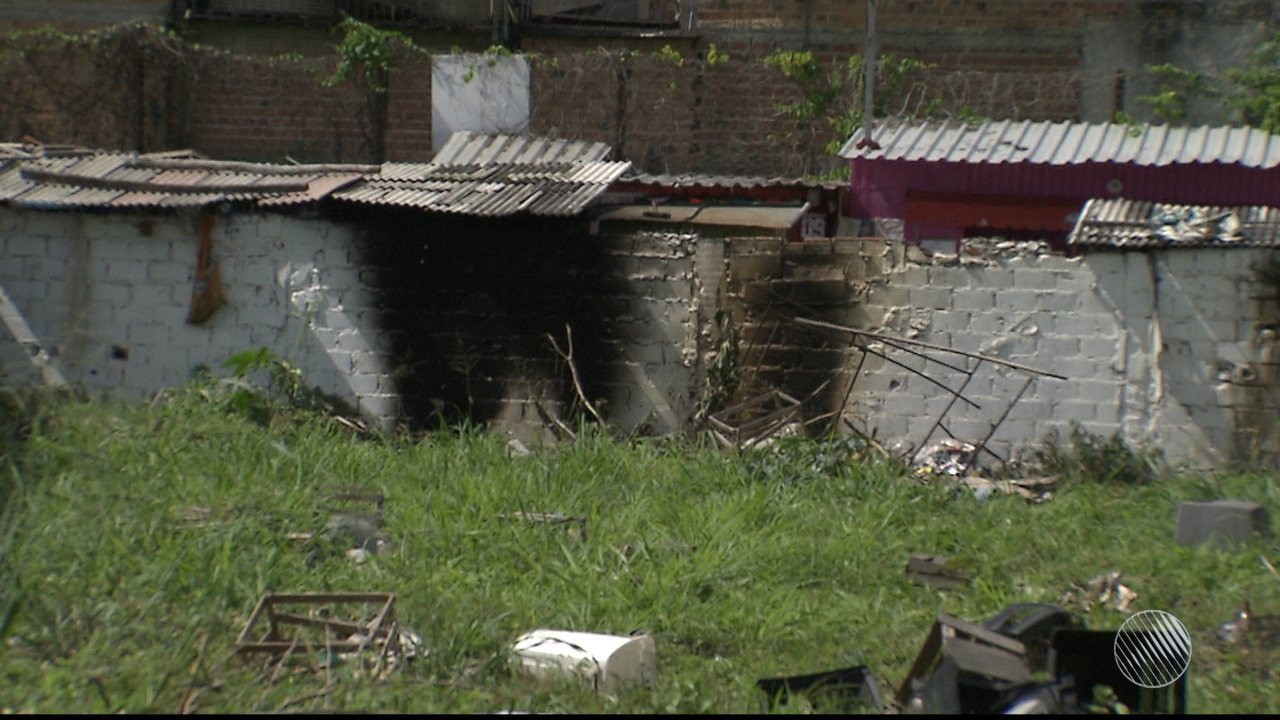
(1153, 649)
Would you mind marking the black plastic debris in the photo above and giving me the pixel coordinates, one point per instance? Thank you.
(846, 688)
(1088, 657)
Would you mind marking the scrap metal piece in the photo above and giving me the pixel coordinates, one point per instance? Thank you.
(853, 683)
(931, 570)
(342, 625)
(753, 421)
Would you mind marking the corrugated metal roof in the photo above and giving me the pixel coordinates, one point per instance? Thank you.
(730, 181)
(495, 175)
(774, 217)
(1066, 143)
(1120, 223)
(120, 180)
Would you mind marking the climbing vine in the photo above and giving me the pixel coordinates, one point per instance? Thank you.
(367, 49)
(1252, 92)
(834, 97)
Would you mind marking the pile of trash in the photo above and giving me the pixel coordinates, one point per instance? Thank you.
(955, 461)
(1028, 659)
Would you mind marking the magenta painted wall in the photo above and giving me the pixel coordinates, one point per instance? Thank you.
(878, 188)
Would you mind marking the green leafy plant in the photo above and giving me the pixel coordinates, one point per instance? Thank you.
(1176, 88)
(1091, 458)
(1255, 90)
(668, 55)
(367, 49)
(714, 56)
(834, 97)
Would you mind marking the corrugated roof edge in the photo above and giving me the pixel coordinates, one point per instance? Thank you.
(1064, 143)
(729, 181)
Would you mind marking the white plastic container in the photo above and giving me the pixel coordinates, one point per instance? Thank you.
(606, 662)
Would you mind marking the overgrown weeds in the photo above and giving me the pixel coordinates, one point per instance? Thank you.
(147, 533)
(1090, 458)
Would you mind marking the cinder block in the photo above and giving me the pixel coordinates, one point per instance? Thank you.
(967, 299)
(132, 271)
(1034, 279)
(26, 246)
(1223, 522)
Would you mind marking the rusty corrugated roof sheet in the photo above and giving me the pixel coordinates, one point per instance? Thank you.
(88, 179)
(1066, 143)
(1120, 223)
(495, 175)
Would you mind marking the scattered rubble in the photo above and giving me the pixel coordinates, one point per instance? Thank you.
(1105, 590)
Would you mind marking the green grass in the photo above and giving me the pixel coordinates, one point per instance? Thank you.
(741, 569)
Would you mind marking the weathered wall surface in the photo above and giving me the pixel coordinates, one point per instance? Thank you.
(404, 318)
(470, 307)
(1170, 347)
(108, 295)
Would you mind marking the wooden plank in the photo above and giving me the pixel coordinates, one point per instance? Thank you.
(17, 325)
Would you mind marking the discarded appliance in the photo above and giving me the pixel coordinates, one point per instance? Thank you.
(1087, 656)
(607, 663)
(1000, 667)
(1224, 522)
(575, 527)
(750, 423)
(1033, 624)
(964, 666)
(853, 686)
(341, 625)
(932, 570)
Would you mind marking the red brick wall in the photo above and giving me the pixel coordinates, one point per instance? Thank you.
(269, 109)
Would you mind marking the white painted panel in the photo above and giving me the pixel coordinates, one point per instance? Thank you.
(480, 93)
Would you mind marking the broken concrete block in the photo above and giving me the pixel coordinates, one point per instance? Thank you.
(606, 662)
(933, 571)
(1222, 521)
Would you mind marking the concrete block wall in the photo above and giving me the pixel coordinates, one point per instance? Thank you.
(108, 296)
(1172, 347)
(1165, 347)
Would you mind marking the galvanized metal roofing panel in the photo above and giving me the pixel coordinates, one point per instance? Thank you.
(1007, 141)
(1121, 223)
